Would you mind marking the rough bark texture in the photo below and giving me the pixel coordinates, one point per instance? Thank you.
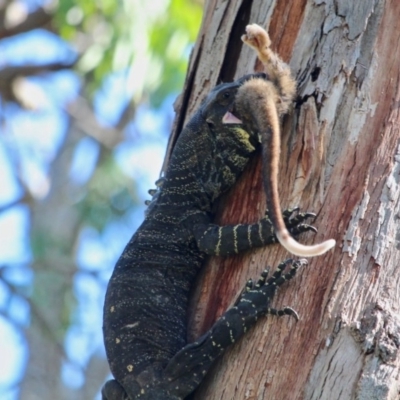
(340, 159)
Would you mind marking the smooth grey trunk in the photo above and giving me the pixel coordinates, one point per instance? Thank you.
(54, 233)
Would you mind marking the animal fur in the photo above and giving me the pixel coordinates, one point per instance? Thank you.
(266, 101)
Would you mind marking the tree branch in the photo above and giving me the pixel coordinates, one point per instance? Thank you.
(40, 18)
(9, 74)
(85, 119)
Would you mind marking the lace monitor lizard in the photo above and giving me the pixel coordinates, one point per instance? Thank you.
(147, 296)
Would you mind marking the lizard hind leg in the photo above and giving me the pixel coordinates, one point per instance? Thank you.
(187, 368)
(112, 390)
(284, 311)
(279, 278)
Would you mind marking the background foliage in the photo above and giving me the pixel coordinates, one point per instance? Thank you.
(86, 92)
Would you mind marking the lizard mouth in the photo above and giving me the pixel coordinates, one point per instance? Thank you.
(229, 118)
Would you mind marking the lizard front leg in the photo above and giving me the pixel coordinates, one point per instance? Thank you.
(233, 239)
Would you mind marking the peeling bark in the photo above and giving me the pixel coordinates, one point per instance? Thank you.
(340, 159)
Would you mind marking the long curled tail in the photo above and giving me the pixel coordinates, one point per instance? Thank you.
(266, 101)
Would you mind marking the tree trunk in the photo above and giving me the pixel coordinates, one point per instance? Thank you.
(54, 231)
(340, 159)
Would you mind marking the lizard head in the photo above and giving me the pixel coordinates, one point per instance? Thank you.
(242, 109)
(225, 143)
(218, 102)
(215, 143)
(218, 107)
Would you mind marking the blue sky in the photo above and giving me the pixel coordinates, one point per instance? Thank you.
(35, 137)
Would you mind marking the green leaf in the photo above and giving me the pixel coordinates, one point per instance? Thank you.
(151, 39)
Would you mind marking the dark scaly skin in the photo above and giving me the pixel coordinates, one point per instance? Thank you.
(147, 296)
